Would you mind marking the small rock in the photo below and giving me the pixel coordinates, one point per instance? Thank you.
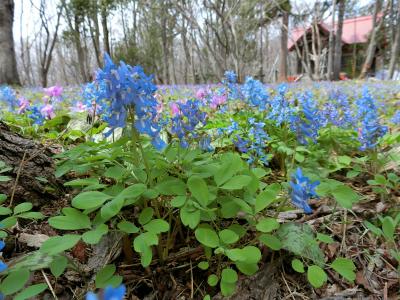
(33, 240)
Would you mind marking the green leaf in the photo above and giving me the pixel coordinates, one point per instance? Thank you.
(58, 265)
(344, 267)
(247, 269)
(227, 289)
(115, 172)
(267, 225)
(345, 196)
(73, 220)
(229, 275)
(88, 200)
(271, 241)
(299, 239)
(198, 187)
(14, 281)
(171, 186)
(325, 238)
(266, 197)
(388, 228)
(299, 157)
(31, 291)
(236, 183)
(146, 215)
(157, 226)
(94, 236)
(352, 173)
(344, 160)
(212, 280)
(228, 236)
(207, 297)
(316, 276)
(203, 265)
(189, 217)
(377, 231)
(82, 182)
(111, 208)
(8, 222)
(58, 244)
(5, 211)
(298, 266)
(4, 178)
(178, 201)
(208, 237)
(23, 207)
(104, 275)
(35, 215)
(231, 164)
(132, 191)
(127, 227)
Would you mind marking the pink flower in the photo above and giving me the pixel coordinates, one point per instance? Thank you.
(47, 111)
(23, 104)
(79, 107)
(201, 93)
(54, 91)
(174, 108)
(217, 100)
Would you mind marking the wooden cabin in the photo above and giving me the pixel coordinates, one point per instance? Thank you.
(355, 39)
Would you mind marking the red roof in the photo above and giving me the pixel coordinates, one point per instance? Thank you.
(355, 30)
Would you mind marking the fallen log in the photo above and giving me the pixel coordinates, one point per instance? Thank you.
(31, 169)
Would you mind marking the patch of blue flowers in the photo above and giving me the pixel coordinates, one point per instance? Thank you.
(8, 96)
(255, 93)
(370, 129)
(109, 293)
(129, 91)
(281, 109)
(337, 110)
(184, 122)
(310, 122)
(302, 190)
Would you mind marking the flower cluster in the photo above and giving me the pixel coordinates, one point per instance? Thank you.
(8, 95)
(337, 110)
(230, 81)
(302, 189)
(310, 122)
(186, 116)
(109, 293)
(130, 92)
(255, 93)
(281, 110)
(396, 118)
(369, 130)
(255, 145)
(3, 266)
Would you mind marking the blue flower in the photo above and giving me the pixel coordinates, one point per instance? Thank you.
(128, 90)
(230, 76)
(281, 111)
(110, 293)
(337, 110)
(396, 118)
(8, 95)
(302, 189)
(255, 93)
(311, 122)
(3, 266)
(369, 130)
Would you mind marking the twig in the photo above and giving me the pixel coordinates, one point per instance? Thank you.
(290, 291)
(191, 281)
(17, 179)
(49, 284)
(343, 244)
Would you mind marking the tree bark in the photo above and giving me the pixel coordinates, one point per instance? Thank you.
(394, 56)
(331, 52)
(32, 161)
(376, 25)
(337, 64)
(104, 25)
(8, 62)
(284, 49)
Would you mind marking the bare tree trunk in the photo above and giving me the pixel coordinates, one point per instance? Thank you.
(331, 52)
(337, 64)
(376, 25)
(8, 62)
(394, 56)
(104, 25)
(284, 49)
